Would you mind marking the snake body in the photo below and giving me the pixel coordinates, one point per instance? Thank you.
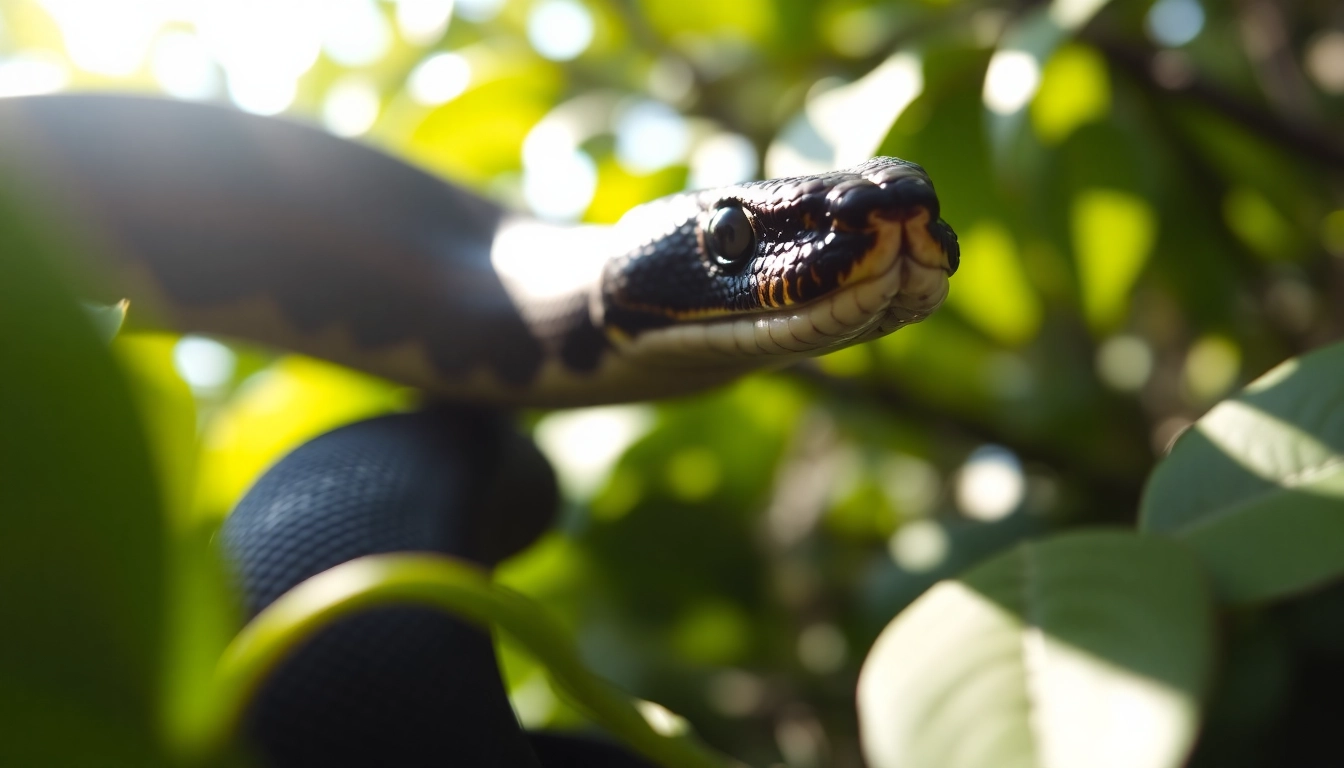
(224, 223)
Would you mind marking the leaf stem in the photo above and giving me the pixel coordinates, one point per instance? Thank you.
(463, 590)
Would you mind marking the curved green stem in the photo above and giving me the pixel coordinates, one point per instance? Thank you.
(463, 590)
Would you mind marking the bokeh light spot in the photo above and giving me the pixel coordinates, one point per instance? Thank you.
(351, 106)
(423, 22)
(991, 484)
(265, 46)
(183, 67)
(650, 136)
(712, 632)
(1124, 363)
(693, 474)
(1291, 303)
(1174, 23)
(584, 444)
(671, 79)
(439, 79)
(1011, 81)
(1325, 61)
(560, 30)
(722, 159)
(261, 95)
(858, 32)
(203, 363)
(478, 11)
(801, 742)
(1211, 368)
(1072, 14)
(822, 648)
(356, 33)
(104, 37)
(562, 187)
(911, 484)
(919, 545)
(559, 179)
(734, 693)
(31, 73)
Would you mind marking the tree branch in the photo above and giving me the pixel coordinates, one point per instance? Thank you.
(1298, 137)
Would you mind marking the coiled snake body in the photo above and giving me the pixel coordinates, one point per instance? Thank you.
(214, 221)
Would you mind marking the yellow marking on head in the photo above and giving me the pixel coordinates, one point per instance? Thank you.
(924, 247)
(887, 240)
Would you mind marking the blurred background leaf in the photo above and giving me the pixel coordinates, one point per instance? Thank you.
(82, 555)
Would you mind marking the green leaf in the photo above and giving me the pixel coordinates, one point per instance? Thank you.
(1086, 649)
(81, 555)
(996, 296)
(1075, 89)
(1256, 487)
(1113, 235)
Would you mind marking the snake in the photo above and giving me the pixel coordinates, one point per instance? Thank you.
(214, 221)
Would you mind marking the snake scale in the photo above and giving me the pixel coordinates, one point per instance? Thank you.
(214, 221)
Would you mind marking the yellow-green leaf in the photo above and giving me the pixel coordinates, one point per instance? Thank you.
(995, 295)
(1113, 236)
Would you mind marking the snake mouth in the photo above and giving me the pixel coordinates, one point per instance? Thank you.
(900, 280)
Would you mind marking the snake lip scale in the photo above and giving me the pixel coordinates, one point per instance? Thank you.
(214, 221)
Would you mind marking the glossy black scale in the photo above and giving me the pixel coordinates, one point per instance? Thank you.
(396, 686)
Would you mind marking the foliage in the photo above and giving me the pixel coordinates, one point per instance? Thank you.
(1145, 226)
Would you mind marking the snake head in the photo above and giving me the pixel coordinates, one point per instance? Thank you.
(774, 270)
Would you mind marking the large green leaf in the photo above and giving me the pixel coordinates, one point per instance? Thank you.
(80, 534)
(1256, 487)
(1086, 649)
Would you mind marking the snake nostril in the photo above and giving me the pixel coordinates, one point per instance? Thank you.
(915, 191)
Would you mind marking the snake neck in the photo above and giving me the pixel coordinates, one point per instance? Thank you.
(551, 275)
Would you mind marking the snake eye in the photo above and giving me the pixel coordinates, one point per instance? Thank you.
(729, 236)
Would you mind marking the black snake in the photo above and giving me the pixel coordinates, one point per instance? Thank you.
(213, 221)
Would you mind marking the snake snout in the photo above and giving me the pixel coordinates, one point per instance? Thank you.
(852, 203)
(910, 192)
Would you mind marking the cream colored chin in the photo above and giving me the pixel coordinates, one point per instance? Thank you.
(902, 290)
